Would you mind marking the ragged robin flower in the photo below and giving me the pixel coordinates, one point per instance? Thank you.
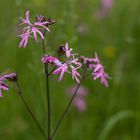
(4, 78)
(33, 29)
(47, 59)
(97, 67)
(79, 101)
(69, 65)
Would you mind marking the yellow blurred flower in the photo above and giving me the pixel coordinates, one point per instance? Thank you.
(40, 2)
(109, 52)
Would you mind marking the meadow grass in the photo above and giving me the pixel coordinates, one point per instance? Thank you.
(113, 113)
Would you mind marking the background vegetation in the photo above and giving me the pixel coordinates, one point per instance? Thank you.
(113, 113)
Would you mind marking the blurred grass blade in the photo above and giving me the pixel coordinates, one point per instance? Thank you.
(113, 121)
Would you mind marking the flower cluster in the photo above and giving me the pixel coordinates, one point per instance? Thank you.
(97, 69)
(70, 64)
(35, 28)
(3, 78)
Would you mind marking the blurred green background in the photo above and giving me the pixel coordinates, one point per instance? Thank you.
(112, 113)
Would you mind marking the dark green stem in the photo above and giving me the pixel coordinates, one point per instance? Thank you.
(47, 91)
(68, 106)
(48, 101)
(29, 110)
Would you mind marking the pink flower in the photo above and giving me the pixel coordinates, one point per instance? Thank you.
(30, 29)
(80, 104)
(70, 65)
(3, 78)
(61, 70)
(87, 60)
(106, 5)
(98, 70)
(79, 101)
(99, 73)
(47, 59)
(82, 91)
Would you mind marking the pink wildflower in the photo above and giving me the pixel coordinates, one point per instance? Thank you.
(82, 91)
(70, 65)
(30, 29)
(80, 104)
(47, 59)
(98, 70)
(79, 101)
(3, 78)
(61, 70)
(105, 8)
(107, 3)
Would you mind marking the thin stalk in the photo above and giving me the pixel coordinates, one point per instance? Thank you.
(30, 111)
(47, 91)
(68, 106)
(48, 102)
(51, 71)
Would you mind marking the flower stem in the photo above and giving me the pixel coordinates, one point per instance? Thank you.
(68, 106)
(47, 91)
(48, 101)
(29, 110)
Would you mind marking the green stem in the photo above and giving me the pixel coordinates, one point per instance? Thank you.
(29, 110)
(48, 101)
(47, 91)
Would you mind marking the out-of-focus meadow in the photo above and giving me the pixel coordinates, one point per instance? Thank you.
(112, 113)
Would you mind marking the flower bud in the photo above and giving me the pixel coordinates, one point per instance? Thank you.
(61, 50)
